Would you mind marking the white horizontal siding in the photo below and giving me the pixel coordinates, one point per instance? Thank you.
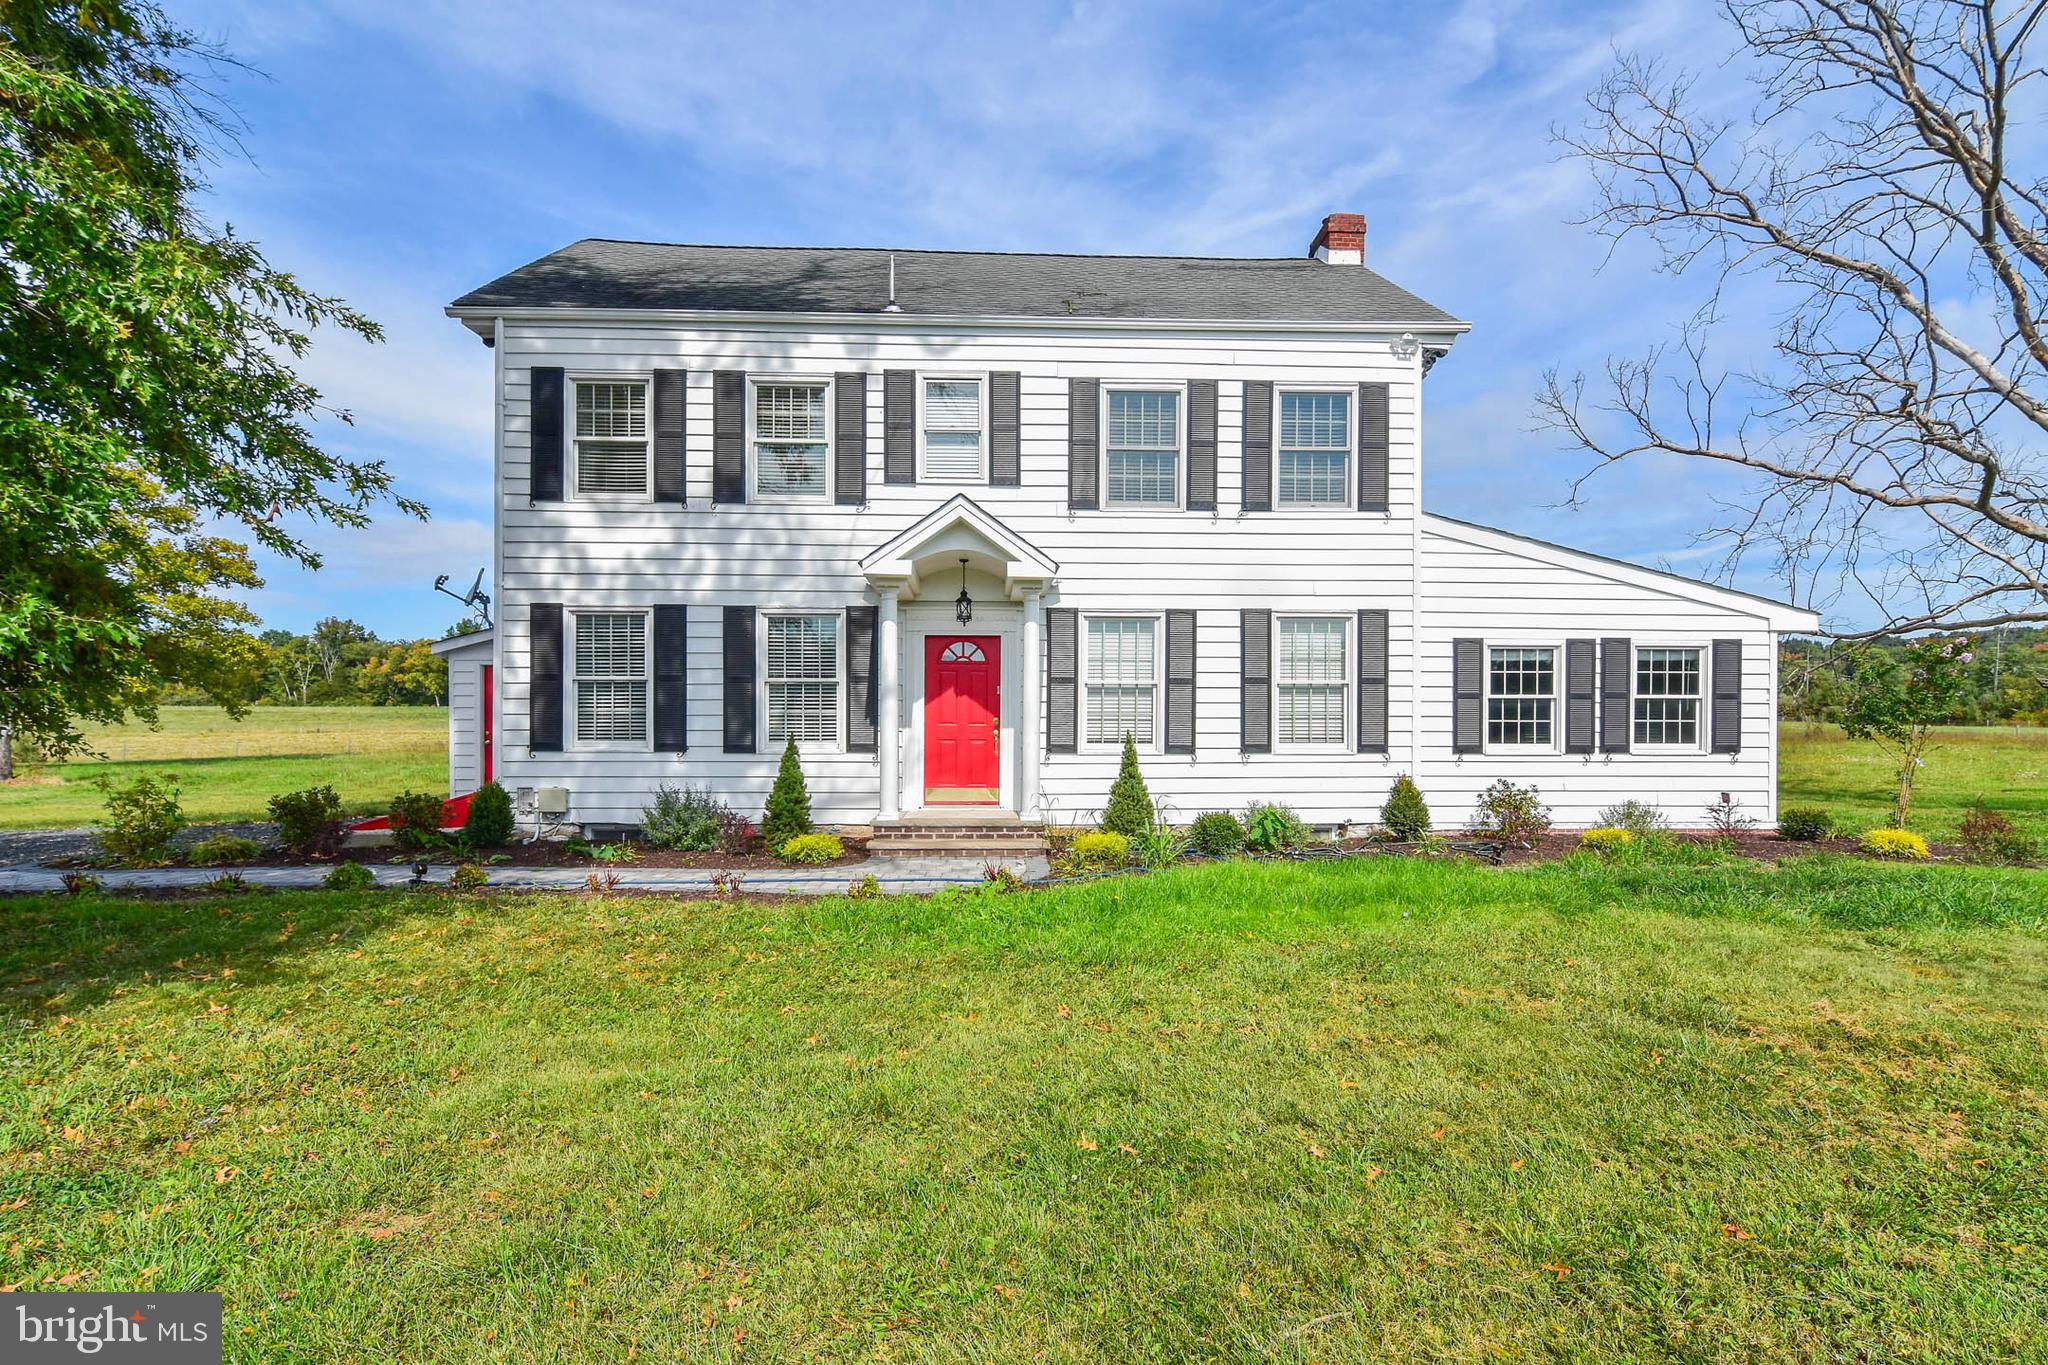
(465, 724)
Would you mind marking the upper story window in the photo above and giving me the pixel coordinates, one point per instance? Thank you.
(1141, 448)
(1122, 680)
(792, 440)
(612, 454)
(803, 679)
(1521, 697)
(954, 449)
(611, 677)
(1667, 698)
(1314, 454)
(1311, 679)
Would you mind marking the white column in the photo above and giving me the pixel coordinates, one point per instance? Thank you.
(887, 707)
(1029, 711)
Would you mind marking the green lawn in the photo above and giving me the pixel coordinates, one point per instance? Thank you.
(2005, 766)
(1381, 1111)
(228, 769)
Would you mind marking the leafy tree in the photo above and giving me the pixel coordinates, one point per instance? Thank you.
(331, 639)
(146, 382)
(789, 803)
(1899, 703)
(1129, 812)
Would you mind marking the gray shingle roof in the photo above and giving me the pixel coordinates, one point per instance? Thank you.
(601, 273)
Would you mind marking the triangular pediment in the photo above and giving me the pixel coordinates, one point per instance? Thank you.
(960, 528)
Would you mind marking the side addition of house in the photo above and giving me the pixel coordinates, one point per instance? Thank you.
(958, 522)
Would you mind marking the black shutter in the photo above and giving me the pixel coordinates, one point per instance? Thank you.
(1180, 682)
(1084, 443)
(671, 679)
(1580, 688)
(850, 438)
(1255, 681)
(544, 688)
(1468, 696)
(1727, 696)
(1373, 443)
(860, 680)
(729, 436)
(739, 680)
(1201, 445)
(1617, 711)
(1258, 446)
(671, 407)
(1062, 678)
(899, 426)
(1005, 424)
(1372, 681)
(544, 408)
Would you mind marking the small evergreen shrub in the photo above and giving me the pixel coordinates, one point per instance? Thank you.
(1101, 848)
(789, 804)
(1894, 843)
(1805, 824)
(1515, 816)
(1405, 817)
(469, 877)
(1217, 833)
(1269, 828)
(223, 848)
(811, 848)
(1637, 817)
(1989, 837)
(141, 820)
(416, 819)
(489, 822)
(1129, 812)
(1607, 839)
(682, 818)
(349, 877)
(309, 822)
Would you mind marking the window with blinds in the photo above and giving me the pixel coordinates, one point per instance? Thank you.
(953, 431)
(610, 662)
(1314, 453)
(1311, 680)
(1521, 696)
(1667, 697)
(1141, 443)
(1122, 686)
(791, 440)
(802, 663)
(611, 439)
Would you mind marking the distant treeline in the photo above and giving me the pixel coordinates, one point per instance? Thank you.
(340, 663)
(2008, 670)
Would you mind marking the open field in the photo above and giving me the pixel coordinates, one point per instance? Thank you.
(229, 770)
(1384, 1111)
(2008, 767)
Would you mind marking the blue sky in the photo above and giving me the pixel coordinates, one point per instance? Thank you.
(399, 152)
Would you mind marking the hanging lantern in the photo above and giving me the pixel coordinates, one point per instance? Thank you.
(963, 605)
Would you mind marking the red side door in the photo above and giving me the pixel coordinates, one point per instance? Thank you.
(962, 707)
(489, 699)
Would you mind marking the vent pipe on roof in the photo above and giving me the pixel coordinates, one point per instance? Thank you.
(892, 306)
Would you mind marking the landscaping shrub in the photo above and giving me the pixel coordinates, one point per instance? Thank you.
(416, 819)
(223, 848)
(1129, 812)
(1159, 846)
(489, 822)
(349, 877)
(469, 877)
(1805, 824)
(141, 820)
(1405, 817)
(789, 804)
(79, 883)
(1990, 838)
(1725, 817)
(309, 822)
(863, 888)
(1516, 816)
(1607, 839)
(736, 833)
(1269, 828)
(682, 818)
(1217, 833)
(811, 848)
(1894, 843)
(1101, 848)
(1637, 817)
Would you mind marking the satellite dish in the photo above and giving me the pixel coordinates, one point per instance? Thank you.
(476, 599)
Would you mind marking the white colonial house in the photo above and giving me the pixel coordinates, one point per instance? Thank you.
(958, 522)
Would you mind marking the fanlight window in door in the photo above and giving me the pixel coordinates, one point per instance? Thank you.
(962, 652)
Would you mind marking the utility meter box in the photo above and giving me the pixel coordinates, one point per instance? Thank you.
(551, 800)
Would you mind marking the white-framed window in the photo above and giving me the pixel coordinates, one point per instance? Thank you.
(1669, 685)
(953, 429)
(612, 455)
(1120, 681)
(1142, 440)
(801, 677)
(1311, 680)
(790, 433)
(1521, 697)
(609, 676)
(1312, 464)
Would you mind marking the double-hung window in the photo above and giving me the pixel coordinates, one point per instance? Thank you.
(803, 680)
(1311, 680)
(954, 441)
(1141, 448)
(792, 440)
(1121, 692)
(1314, 456)
(611, 677)
(611, 439)
(1667, 698)
(1521, 697)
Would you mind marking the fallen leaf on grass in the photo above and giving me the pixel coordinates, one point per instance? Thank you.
(223, 1174)
(380, 1234)
(18, 1203)
(1516, 1164)
(1438, 1133)
(1127, 1149)
(1085, 1143)
(1005, 1290)
(1065, 1013)
(1373, 1173)
(1558, 1270)
(1737, 1232)
(1315, 1151)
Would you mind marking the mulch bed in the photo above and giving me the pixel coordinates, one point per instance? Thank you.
(549, 854)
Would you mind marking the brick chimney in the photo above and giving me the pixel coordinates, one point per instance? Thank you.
(1340, 240)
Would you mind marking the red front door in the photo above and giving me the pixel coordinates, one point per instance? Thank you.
(962, 704)
(489, 699)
